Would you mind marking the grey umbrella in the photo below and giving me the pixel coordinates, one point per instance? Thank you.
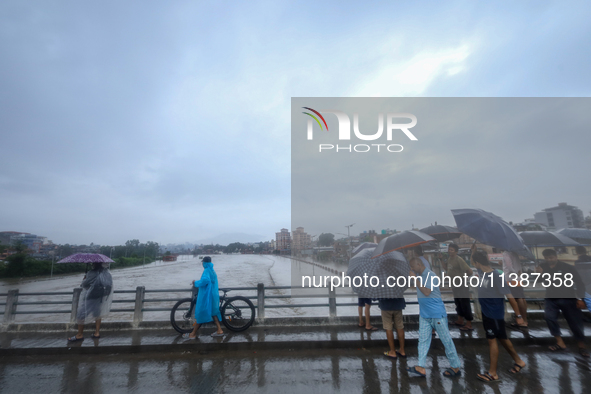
(581, 235)
(392, 264)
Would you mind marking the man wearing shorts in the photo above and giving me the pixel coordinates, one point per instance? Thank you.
(392, 318)
(491, 294)
(365, 303)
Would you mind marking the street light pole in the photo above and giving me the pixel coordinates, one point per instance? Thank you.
(348, 235)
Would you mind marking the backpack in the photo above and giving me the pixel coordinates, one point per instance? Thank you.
(99, 290)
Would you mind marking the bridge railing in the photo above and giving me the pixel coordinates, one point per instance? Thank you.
(142, 300)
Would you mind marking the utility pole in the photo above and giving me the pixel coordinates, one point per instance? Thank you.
(349, 235)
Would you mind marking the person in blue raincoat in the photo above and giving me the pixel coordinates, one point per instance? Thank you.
(207, 307)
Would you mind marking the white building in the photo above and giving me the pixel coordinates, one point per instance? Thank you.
(562, 216)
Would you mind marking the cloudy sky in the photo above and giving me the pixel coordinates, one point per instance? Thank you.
(170, 121)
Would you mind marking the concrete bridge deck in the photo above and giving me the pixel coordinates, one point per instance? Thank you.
(325, 359)
(160, 337)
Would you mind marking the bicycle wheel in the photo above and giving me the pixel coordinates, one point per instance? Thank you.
(238, 313)
(182, 317)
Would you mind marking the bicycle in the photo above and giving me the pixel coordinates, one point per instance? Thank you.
(237, 312)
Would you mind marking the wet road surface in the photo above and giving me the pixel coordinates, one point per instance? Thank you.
(291, 371)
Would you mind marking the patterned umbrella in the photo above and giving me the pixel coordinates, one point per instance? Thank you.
(442, 233)
(392, 264)
(405, 239)
(86, 258)
(363, 246)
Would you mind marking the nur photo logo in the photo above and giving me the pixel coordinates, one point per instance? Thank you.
(344, 131)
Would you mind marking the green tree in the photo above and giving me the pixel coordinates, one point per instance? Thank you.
(234, 247)
(326, 239)
(65, 250)
(16, 263)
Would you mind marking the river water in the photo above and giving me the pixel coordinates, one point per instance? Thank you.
(232, 271)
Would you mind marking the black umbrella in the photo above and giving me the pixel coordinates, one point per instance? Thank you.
(363, 246)
(406, 239)
(490, 229)
(442, 233)
(546, 238)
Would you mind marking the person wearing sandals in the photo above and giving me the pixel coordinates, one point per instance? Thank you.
(95, 300)
(432, 315)
(391, 309)
(564, 298)
(365, 303)
(207, 307)
(492, 291)
(457, 267)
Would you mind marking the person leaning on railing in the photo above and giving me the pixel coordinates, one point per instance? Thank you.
(456, 266)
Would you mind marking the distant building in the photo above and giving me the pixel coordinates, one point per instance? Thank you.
(5, 236)
(561, 216)
(529, 225)
(283, 240)
(31, 241)
(300, 241)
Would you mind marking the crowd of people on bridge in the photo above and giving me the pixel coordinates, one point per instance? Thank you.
(492, 291)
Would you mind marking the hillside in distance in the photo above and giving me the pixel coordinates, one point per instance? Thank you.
(228, 238)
